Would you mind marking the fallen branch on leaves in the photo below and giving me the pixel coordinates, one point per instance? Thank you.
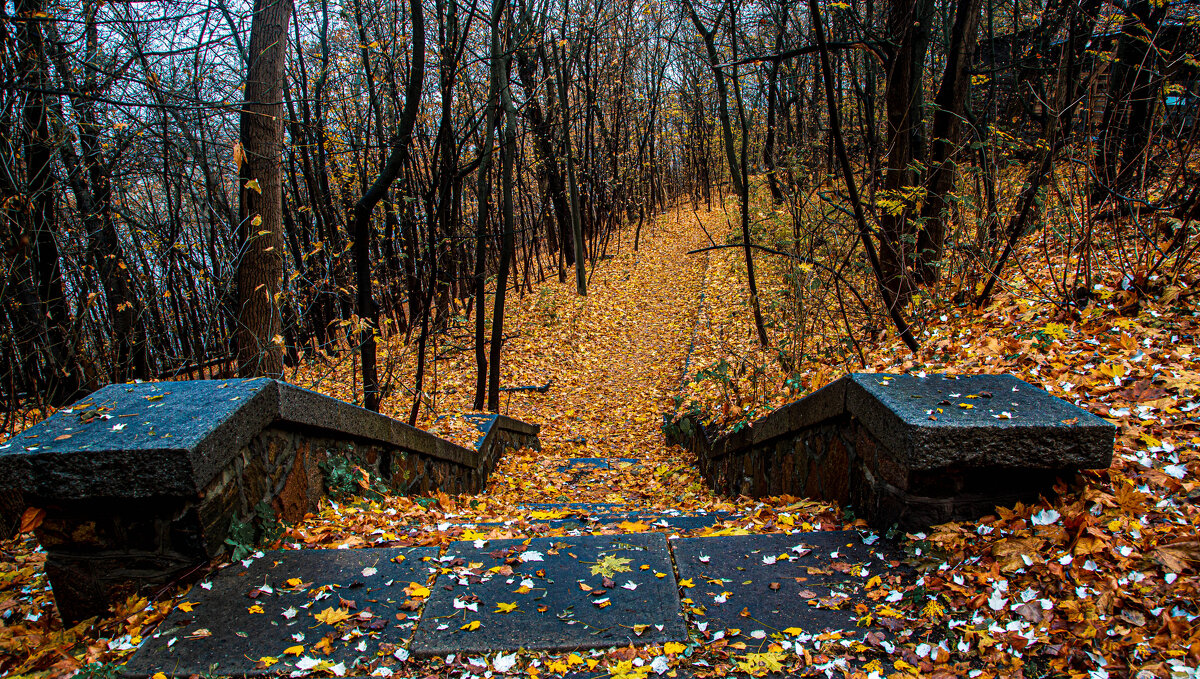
(531, 387)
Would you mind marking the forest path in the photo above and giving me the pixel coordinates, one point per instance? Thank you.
(616, 358)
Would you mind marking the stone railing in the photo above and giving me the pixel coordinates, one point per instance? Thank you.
(900, 449)
(141, 483)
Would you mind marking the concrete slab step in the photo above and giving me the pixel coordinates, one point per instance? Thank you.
(272, 605)
(753, 588)
(550, 594)
(289, 610)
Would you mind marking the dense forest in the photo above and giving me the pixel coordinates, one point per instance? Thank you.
(198, 189)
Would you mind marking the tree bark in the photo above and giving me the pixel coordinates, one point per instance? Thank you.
(709, 37)
(907, 28)
(46, 309)
(508, 148)
(260, 217)
(576, 217)
(949, 110)
(397, 157)
(860, 218)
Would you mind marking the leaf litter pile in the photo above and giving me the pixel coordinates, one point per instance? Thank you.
(1100, 580)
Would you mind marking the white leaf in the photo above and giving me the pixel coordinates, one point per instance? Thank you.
(1045, 517)
(504, 663)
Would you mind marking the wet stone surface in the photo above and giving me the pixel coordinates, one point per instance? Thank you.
(588, 464)
(762, 585)
(225, 634)
(552, 594)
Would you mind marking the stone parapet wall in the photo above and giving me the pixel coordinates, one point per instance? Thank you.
(898, 464)
(257, 451)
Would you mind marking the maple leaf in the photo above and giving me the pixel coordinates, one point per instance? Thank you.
(610, 565)
(506, 608)
(332, 616)
(471, 626)
(415, 590)
(293, 650)
(761, 664)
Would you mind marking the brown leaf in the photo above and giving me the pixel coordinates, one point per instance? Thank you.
(1030, 612)
(32, 518)
(1178, 556)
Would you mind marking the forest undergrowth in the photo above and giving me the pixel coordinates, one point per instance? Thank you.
(1100, 580)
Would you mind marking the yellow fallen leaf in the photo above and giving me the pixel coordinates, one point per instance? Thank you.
(186, 606)
(255, 609)
(267, 660)
(293, 650)
(674, 648)
(505, 608)
(685, 583)
(471, 626)
(414, 589)
(331, 616)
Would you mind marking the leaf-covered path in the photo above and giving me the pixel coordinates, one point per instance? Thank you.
(615, 362)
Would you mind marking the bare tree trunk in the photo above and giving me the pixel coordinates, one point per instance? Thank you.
(860, 218)
(751, 281)
(709, 36)
(46, 309)
(397, 157)
(773, 104)
(508, 148)
(260, 228)
(576, 217)
(907, 28)
(482, 191)
(949, 110)
(92, 186)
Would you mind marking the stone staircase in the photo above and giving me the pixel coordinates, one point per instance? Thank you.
(388, 611)
(144, 484)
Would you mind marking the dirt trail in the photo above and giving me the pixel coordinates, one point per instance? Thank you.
(616, 358)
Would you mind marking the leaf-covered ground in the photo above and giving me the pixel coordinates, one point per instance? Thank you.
(1099, 580)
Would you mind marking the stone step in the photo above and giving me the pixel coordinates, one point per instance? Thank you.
(359, 608)
(557, 594)
(262, 607)
(593, 464)
(654, 520)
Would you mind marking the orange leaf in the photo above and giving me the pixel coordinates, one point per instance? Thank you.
(32, 518)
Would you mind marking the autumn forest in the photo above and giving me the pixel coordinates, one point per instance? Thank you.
(607, 216)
